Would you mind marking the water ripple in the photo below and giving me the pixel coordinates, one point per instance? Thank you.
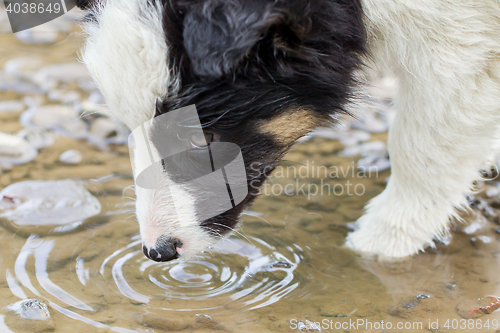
(236, 275)
(236, 271)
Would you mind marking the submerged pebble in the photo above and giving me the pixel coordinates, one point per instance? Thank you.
(206, 322)
(11, 106)
(65, 73)
(15, 150)
(22, 67)
(34, 309)
(281, 264)
(72, 156)
(102, 129)
(308, 326)
(38, 36)
(36, 202)
(37, 137)
(35, 317)
(60, 118)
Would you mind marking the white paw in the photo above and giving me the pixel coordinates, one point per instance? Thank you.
(385, 241)
(394, 228)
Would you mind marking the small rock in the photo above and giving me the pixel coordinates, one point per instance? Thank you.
(38, 35)
(16, 84)
(206, 322)
(407, 307)
(34, 309)
(37, 137)
(5, 167)
(162, 323)
(96, 98)
(33, 101)
(371, 163)
(11, 106)
(477, 308)
(281, 264)
(72, 156)
(35, 317)
(22, 67)
(56, 117)
(308, 326)
(37, 203)
(368, 148)
(354, 137)
(65, 97)
(479, 223)
(480, 240)
(66, 73)
(15, 150)
(102, 128)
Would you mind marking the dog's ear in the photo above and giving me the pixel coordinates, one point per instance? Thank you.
(219, 34)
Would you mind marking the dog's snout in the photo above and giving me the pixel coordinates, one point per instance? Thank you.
(165, 249)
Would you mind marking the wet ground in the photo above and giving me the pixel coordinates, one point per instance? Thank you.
(78, 257)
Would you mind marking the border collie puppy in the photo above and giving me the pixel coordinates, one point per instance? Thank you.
(263, 73)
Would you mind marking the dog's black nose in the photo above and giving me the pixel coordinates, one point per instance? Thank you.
(164, 250)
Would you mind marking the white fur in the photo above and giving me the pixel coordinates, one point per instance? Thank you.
(158, 215)
(446, 55)
(126, 53)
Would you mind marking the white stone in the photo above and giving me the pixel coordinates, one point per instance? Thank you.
(66, 72)
(354, 137)
(492, 191)
(72, 156)
(37, 137)
(31, 309)
(372, 163)
(38, 35)
(57, 202)
(11, 106)
(96, 98)
(15, 150)
(34, 100)
(63, 96)
(102, 128)
(308, 326)
(372, 147)
(60, 118)
(22, 66)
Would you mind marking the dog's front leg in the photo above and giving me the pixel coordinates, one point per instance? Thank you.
(448, 110)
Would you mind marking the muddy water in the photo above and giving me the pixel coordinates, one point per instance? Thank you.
(286, 265)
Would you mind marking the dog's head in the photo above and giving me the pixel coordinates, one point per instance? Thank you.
(262, 73)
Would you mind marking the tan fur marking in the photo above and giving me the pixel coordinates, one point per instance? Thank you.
(290, 125)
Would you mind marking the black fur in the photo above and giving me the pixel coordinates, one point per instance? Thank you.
(83, 4)
(243, 62)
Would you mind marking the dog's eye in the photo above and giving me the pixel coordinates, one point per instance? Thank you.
(200, 140)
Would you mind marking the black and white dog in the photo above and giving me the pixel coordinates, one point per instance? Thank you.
(263, 73)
